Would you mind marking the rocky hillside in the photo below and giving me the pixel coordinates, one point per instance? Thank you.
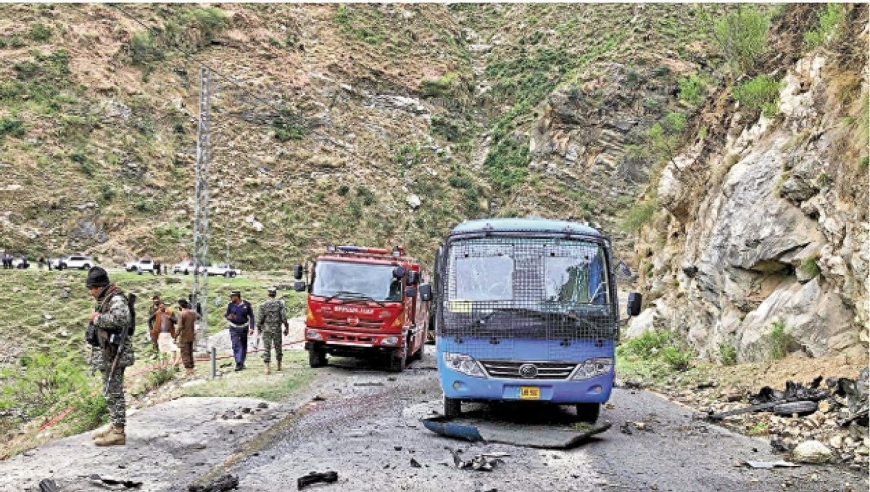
(357, 123)
(756, 244)
(730, 140)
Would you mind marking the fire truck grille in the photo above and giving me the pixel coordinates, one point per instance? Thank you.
(346, 322)
(509, 369)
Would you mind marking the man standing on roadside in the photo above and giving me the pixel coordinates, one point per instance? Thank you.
(110, 317)
(240, 316)
(155, 306)
(186, 335)
(270, 319)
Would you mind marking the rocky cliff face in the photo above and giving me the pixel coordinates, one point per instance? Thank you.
(771, 228)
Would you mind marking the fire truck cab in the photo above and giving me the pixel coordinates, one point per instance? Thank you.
(364, 302)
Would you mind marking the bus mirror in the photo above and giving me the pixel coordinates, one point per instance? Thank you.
(413, 278)
(425, 292)
(399, 272)
(410, 292)
(634, 302)
(299, 286)
(297, 272)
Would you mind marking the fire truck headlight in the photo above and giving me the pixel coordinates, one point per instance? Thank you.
(390, 341)
(313, 335)
(464, 364)
(593, 367)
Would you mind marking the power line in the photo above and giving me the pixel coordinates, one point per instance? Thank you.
(191, 57)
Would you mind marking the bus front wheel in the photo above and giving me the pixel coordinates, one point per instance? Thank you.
(588, 412)
(452, 407)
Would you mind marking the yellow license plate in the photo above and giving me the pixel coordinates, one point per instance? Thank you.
(530, 393)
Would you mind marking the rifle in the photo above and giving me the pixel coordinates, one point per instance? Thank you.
(121, 340)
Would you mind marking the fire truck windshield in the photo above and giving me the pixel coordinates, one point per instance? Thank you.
(345, 280)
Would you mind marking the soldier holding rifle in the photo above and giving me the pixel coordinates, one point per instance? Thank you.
(109, 333)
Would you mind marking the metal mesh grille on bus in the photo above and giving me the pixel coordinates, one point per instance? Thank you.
(506, 288)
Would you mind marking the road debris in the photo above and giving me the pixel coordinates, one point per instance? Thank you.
(98, 480)
(767, 399)
(48, 485)
(314, 477)
(474, 426)
(364, 384)
(415, 463)
(480, 462)
(770, 464)
(812, 452)
(479, 487)
(222, 484)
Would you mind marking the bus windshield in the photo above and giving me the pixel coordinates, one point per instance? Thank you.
(346, 280)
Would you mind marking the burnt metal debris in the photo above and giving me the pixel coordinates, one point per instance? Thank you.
(767, 399)
(480, 462)
(222, 484)
(314, 477)
(851, 396)
(48, 485)
(98, 480)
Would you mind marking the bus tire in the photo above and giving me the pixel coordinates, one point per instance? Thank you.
(316, 357)
(588, 412)
(399, 359)
(452, 407)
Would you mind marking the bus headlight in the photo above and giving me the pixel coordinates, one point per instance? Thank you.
(593, 367)
(464, 364)
(313, 335)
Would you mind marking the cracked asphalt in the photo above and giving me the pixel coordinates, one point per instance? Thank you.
(364, 424)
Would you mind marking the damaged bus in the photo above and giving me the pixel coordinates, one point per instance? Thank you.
(526, 310)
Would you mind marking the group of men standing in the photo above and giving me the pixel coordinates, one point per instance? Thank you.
(114, 315)
(271, 317)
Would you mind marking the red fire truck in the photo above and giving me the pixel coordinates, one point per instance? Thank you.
(364, 302)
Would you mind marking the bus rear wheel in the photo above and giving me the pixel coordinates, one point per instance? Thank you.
(452, 407)
(588, 412)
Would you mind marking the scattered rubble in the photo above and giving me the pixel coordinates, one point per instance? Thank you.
(480, 462)
(222, 484)
(812, 452)
(100, 481)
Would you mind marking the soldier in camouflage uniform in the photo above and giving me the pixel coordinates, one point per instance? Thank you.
(111, 315)
(270, 318)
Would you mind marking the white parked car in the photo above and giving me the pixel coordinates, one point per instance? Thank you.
(186, 267)
(20, 262)
(224, 270)
(58, 263)
(140, 265)
(81, 262)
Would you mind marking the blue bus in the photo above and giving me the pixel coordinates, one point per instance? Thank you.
(526, 310)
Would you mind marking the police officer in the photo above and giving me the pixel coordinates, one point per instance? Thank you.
(240, 316)
(110, 317)
(270, 318)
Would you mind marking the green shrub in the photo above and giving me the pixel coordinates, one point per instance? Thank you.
(676, 359)
(367, 195)
(107, 192)
(727, 354)
(742, 36)
(159, 377)
(144, 49)
(443, 127)
(760, 94)
(460, 182)
(830, 19)
(11, 126)
(39, 32)
(779, 340)
(810, 266)
(507, 164)
(42, 381)
(647, 345)
(442, 86)
(692, 90)
(638, 215)
(210, 21)
(343, 190)
(290, 126)
(823, 179)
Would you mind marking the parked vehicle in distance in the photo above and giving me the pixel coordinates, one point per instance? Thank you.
(20, 263)
(363, 302)
(80, 262)
(186, 267)
(526, 310)
(58, 263)
(140, 265)
(223, 269)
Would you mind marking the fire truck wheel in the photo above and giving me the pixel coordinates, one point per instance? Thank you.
(316, 358)
(588, 412)
(399, 359)
(452, 407)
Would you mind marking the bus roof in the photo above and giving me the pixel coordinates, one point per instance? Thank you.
(523, 225)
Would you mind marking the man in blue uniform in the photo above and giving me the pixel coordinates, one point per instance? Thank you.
(240, 316)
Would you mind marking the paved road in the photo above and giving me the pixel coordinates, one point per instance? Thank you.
(367, 429)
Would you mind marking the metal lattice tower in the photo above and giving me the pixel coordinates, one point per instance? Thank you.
(200, 220)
